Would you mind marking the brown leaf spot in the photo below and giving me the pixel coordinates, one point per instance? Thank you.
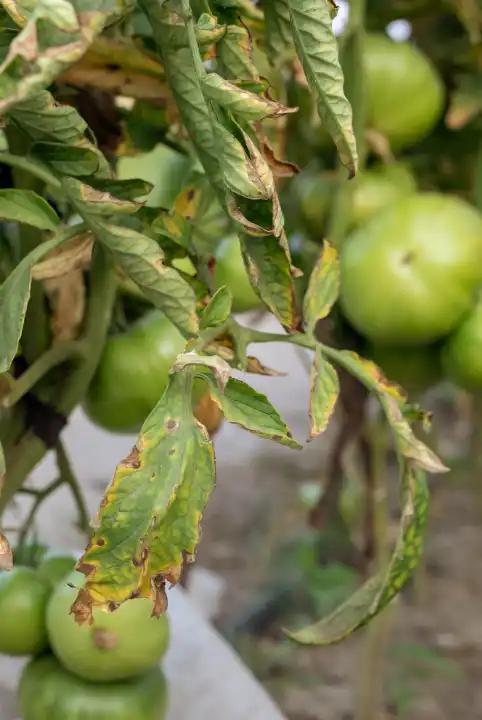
(82, 608)
(104, 639)
(171, 425)
(132, 460)
(100, 542)
(85, 568)
(160, 596)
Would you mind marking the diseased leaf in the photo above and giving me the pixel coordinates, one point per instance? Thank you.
(14, 297)
(269, 267)
(67, 159)
(324, 391)
(247, 105)
(54, 35)
(379, 590)
(149, 517)
(74, 254)
(317, 49)
(25, 206)
(66, 298)
(234, 55)
(243, 174)
(407, 443)
(254, 365)
(219, 367)
(218, 310)
(323, 287)
(244, 406)
(97, 203)
(121, 189)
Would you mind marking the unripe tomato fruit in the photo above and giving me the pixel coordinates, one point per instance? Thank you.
(416, 369)
(55, 566)
(120, 644)
(462, 352)
(405, 93)
(231, 271)
(378, 188)
(48, 691)
(410, 274)
(133, 372)
(23, 600)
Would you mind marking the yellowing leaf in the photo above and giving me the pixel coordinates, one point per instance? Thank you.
(323, 287)
(149, 517)
(324, 391)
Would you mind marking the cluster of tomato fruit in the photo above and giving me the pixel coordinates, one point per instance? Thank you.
(411, 261)
(107, 670)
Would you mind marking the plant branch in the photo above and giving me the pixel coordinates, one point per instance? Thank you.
(40, 497)
(54, 356)
(68, 477)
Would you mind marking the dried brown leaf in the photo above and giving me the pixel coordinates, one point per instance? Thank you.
(66, 295)
(72, 255)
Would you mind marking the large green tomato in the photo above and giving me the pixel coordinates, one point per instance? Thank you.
(132, 373)
(416, 369)
(410, 274)
(405, 93)
(48, 691)
(230, 271)
(23, 599)
(119, 644)
(462, 353)
(55, 566)
(379, 188)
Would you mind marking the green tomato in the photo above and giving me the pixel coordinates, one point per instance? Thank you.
(416, 369)
(230, 271)
(405, 94)
(55, 566)
(462, 352)
(133, 372)
(315, 193)
(23, 599)
(120, 644)
(48, 691)
(410, 274)
(378, 188)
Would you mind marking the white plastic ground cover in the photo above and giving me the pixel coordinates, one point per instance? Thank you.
(207, 680)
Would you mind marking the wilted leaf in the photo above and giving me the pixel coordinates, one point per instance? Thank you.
(53, 37)
(379, 590)
(75, 254)
(14, 297)
(121, 189)
(245, 171)
(255, 366)
(244, 406)
(220, 369)
(318, 51)
(234, 54)
(25, 206)
(280, 168)
(218, 310)
(323, 287)
(66, 296)
(149, 518)
(248, 105)
(324, 391)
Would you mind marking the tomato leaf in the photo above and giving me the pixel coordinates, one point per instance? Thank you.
(25, 206)
(317, 49)
(323, 287)
(14, 297)
(220, 368)
(379, 590)
(324, 391)
(122, 189)
(244, 406)
(234, 55)
(149, 517)
(67, 159)
(248, 105)
(218, 310)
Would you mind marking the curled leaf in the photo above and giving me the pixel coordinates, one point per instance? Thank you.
(75, 254)
(323, 287)
(324, 391)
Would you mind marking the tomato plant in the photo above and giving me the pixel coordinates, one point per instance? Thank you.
(148, 160)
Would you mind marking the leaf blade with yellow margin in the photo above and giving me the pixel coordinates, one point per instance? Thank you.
(149, 517)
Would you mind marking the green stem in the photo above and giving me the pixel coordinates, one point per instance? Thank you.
(41, 496)
(68, 477)
(31, 167)
(30, 450)
(54, 356)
